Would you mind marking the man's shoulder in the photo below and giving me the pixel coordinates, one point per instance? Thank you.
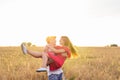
(61, 47)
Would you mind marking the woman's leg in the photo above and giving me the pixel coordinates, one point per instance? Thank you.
(44, 63)
(41, 55)
(32, 53)
(35, 53)
(44, 60)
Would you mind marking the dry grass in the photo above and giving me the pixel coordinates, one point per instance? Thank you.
(94, 63)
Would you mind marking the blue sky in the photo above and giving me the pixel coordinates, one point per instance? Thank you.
(85, 22)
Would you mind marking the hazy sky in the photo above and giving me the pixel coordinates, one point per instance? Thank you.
(85, 22)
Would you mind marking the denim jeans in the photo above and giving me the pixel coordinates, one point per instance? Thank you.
(55, 76)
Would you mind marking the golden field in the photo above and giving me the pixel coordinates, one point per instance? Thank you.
(94, 63)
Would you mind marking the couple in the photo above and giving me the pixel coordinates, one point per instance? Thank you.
(53, 56)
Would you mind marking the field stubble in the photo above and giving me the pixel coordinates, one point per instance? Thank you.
(94, 63)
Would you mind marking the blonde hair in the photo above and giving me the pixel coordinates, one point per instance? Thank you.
(68, 43)
(49, 38)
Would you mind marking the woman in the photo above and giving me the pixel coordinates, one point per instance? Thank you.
(51, 40)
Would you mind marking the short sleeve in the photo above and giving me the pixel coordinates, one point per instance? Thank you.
(68, 52)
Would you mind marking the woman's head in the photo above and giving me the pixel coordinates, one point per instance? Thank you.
(51, 39)
(65, 41)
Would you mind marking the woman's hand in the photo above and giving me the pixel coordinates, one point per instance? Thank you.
(51, 48)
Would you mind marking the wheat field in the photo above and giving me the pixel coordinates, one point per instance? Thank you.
(94, 63)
